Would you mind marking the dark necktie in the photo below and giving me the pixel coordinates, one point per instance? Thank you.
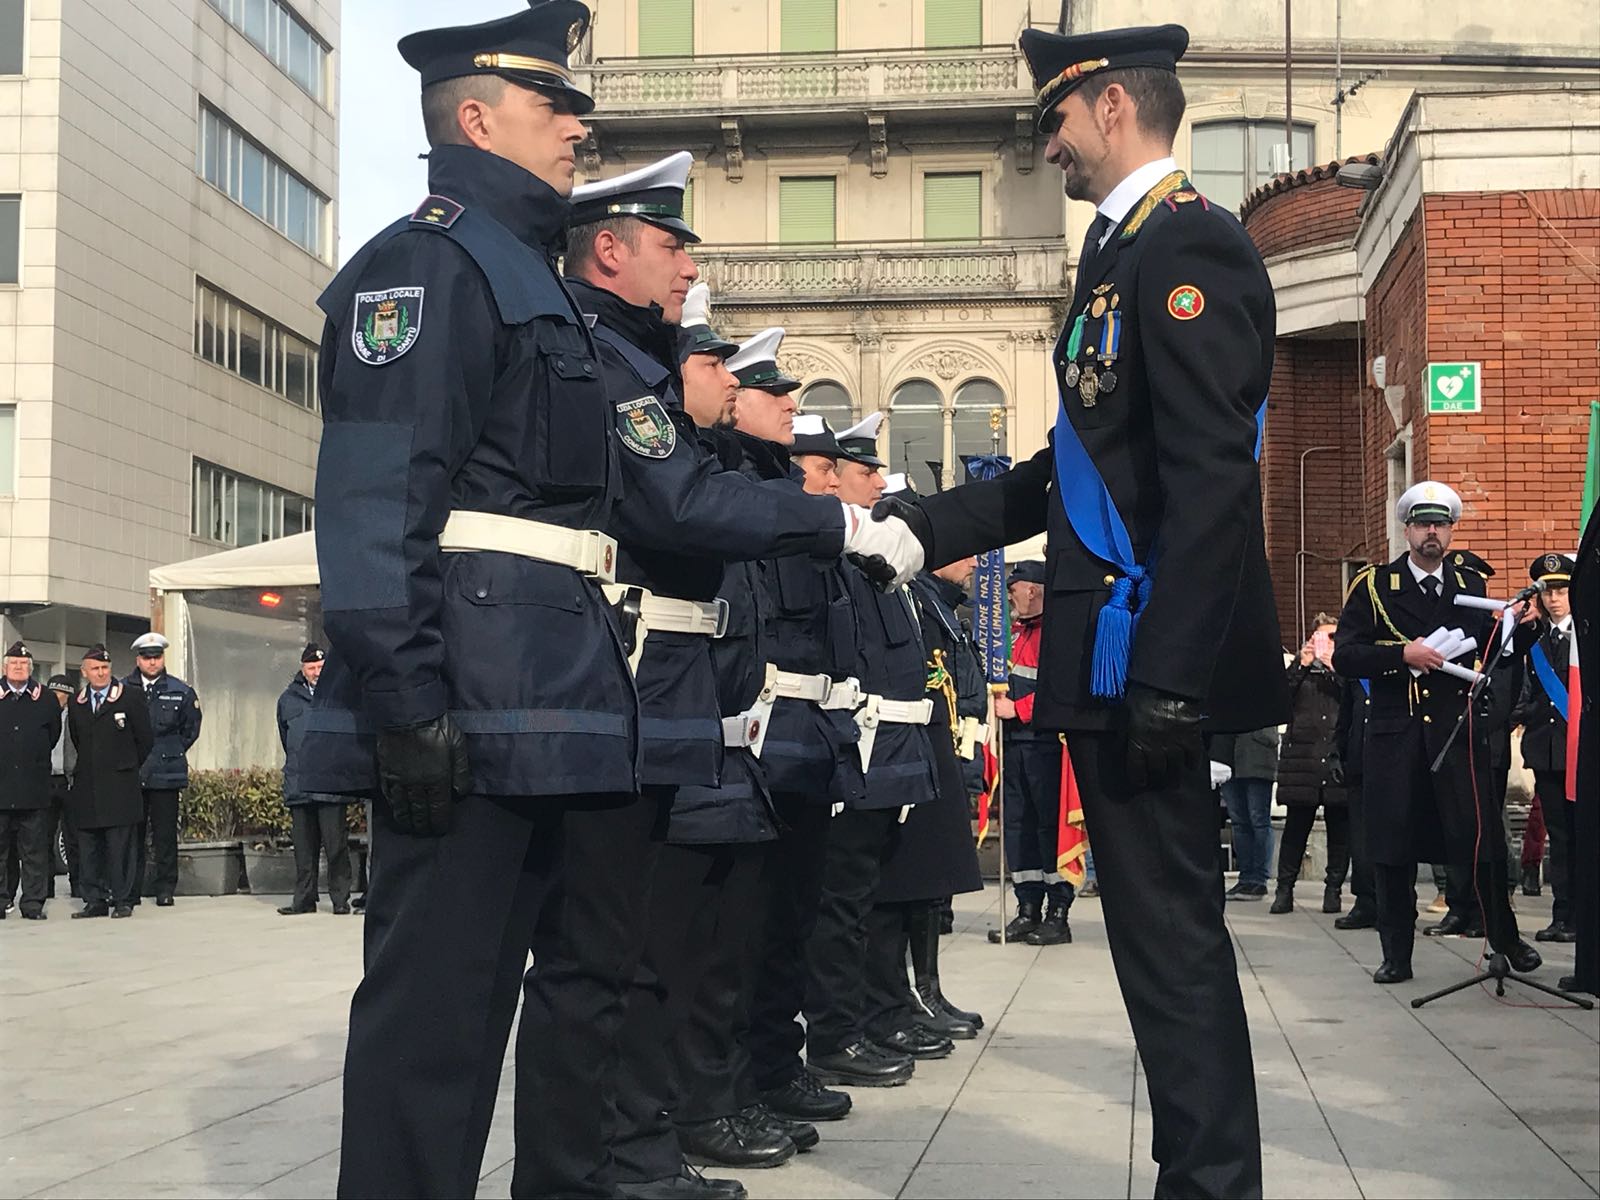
(1091, 242)
(99, 699)
(1430, 584)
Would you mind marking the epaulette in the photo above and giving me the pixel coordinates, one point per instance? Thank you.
(1169, 185)
(439, 211)
(1186, 195)
(1359, 578)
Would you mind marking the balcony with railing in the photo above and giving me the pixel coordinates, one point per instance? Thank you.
(882, 80)
(915, 271)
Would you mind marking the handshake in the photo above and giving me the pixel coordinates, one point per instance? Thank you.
(889, 543)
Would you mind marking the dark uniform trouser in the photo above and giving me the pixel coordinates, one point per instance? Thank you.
(886, 986)
(1032, 786)
(450, 922)
(1560, 824)
(317, 829)
(836, 956)
(160, 825)
(35, 857)
(683, 1005)
(794, 891)
(1459, 891)
(109, 860)
(1161, 891)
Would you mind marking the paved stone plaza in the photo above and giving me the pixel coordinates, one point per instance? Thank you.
(196, 1052)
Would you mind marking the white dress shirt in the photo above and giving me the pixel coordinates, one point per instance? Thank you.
(1131, 190)
(1419, 574)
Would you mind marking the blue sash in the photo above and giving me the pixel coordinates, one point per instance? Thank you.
(1094, 518)
(1548, 679)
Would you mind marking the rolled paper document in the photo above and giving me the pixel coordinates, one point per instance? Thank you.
(1451, 643)
(1460, 672)
(1483, 602)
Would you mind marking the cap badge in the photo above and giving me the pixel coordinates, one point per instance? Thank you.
(1552, 562)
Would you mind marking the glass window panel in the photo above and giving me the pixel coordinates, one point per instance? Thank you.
(1226, 191)
(809, 25)
(254, 22)
(253, 188)
(211, 148)
(230, 323)
(831, 401)
(666, 28)
(8, 450)
(916, 432)
(806, 210)
(250, 514)
(234, 183)
(970, 432)
(11, 30)
(952, 22)
(298, 213)
(1218, 147)
(250, 346)
(10, 239)
(297, 364)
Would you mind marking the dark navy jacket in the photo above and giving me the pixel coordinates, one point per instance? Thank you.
(891, 662)
(495, 405)
(175, 722)
(294, 706)
(678, 517)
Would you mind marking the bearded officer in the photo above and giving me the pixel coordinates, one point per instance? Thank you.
(1415, 813)
(1162, 367)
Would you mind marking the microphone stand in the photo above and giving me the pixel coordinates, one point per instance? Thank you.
(1498, 967)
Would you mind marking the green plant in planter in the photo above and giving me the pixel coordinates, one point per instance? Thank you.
(226, 804)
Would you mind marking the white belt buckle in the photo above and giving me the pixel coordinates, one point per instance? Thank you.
(867, 723)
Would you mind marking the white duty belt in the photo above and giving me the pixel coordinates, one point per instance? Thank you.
(970, 734)
(876, 710)
(587, 551)
(748, 730)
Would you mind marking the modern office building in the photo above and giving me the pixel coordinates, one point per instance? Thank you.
(168, 170)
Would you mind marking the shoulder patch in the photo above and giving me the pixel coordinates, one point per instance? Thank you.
(645, 428)
(1185, 302)
(386, 324)
(438, 210)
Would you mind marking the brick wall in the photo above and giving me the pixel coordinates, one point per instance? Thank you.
(1316, 388)
(1316, 213)
(1509, 280)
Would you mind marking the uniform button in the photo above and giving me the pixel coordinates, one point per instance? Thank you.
(588, 368)
(1426, 719)
(483, 593)
(1424, 693)
(1109, 580)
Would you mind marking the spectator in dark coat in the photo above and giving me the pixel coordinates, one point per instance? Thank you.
(110, 726)
(1351, 737)
(1311, 769)
(30, 723)
(318, 818)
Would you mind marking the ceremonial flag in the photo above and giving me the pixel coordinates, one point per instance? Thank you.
(992, 628)
(1574, 706)
(1591, 466)
(1072, 843)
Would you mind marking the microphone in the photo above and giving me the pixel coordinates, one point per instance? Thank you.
(1527, 593)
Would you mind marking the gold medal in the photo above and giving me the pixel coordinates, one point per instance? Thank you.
(1088, 387)
(1115, 300)
(1098, 308)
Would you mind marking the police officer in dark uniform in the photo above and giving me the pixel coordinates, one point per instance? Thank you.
(931, 854)
(175, 722)
(891, 664)
(1414, 813)
(1151, 500)
(1542, 712)
(30, 726)
(109, 724)
(809, 755)
(477, 677)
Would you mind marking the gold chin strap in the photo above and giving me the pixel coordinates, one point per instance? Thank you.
(521, 62)
(940, 680)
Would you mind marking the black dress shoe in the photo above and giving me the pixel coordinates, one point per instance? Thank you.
(341, 910)
(1524, 958)
(359, 904)
(1020, 926)
(1556, 931)
(1569, 983)
(1391, 972)
(91, 910)
(1455, 925)
(934, 1012)
(917, 1042)
(803, 1134)
(1052, 931)
(687, 1184)
(734, 1142)
(861, 1065)
(163, 901)
(33, 914)
(1332, 899)
(294, 910)
(122, 910)
(804, 1099)
(1359, 917)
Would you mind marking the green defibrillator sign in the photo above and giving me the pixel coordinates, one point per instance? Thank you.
(1455, 387)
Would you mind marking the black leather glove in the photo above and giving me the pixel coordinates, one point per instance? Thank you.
(422, 770)
(876, 568)
(914, 517)
(1335, 770)
(1163, 737)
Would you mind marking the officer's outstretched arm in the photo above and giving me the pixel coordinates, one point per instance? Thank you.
(407, 373)
(976, 517)
(1204, 311)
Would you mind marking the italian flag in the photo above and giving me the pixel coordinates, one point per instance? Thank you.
(1072, 842)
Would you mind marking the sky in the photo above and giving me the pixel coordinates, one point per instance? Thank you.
(380, 123)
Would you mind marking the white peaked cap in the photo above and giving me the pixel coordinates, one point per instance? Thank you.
(894, 483)
(867, 427)
(150, 641)
(671, 172)
(809, 425)
(762, 348)
(697, 306)
(1432, 497)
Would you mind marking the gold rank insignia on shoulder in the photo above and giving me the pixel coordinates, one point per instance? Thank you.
(1185, 197)
(1460, 582)
(1394, 581)
(438, 210)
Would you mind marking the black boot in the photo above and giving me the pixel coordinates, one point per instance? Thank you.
(932, 1009)
(1530, 880)
(1053, 930)
(1332, 899)
(1021, 925)
(1396, 966)
(1283, 901)
(1359, 917)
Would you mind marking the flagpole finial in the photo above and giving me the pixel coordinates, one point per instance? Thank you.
(997, 417)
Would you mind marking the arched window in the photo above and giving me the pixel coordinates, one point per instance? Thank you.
(830, 401)
(917, 433)
(969, 424)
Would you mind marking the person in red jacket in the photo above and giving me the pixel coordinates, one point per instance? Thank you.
(1032, 779)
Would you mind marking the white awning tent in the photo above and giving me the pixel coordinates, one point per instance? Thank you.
(239, 650)
(284, 562)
